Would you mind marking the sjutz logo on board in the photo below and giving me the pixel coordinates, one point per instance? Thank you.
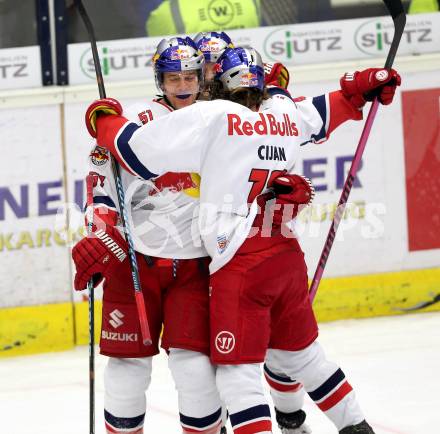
(118, 60)
(225, 342)
(14, 67)
(285, 45)
(374, 37)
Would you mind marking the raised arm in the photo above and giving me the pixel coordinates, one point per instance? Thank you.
(173, 143)
(346, 104)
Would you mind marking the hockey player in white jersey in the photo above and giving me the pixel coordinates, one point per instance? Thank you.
(259, 296)
(287, 395)
(173, 267)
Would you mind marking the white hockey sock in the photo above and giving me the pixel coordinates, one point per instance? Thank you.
(125, 383)
(241, 389)
(287, 394)
(323, 380)
(200, 407)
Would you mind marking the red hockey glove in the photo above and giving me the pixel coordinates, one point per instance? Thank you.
(276, 74)
(107, 106)
(290, 191)
(98, 256)
(362, 86)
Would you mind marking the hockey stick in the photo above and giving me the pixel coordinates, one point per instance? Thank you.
(145, 330)
(399, 19)
(91, 292)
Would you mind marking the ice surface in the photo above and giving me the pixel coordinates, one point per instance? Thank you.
(393, 364)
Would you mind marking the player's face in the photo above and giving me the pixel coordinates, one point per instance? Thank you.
(205, 95)
(209, 71)
(181, 88)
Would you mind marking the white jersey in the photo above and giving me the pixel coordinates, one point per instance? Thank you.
(235, 150)
(162, 212)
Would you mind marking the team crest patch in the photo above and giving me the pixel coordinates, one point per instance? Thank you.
(222, 243)
(188, 183)
(99, 156)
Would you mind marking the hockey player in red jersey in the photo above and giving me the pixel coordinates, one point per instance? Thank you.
(259, 297)
(173, 267)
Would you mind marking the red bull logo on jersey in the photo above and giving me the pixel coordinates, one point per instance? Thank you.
(189, 183)
(268, 124)
(99, 156)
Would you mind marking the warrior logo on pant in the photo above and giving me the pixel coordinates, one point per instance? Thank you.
(225, 342)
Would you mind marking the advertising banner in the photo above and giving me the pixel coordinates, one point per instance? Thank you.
(296, 44)
(333, 41)
(120, 60)
(33, 255)
(20, 68)
(421, 126)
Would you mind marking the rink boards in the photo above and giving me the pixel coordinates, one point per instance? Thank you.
(56, 327)
(384, 261)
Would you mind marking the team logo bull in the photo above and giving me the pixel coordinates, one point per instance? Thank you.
(99, 156)
(189, 183)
